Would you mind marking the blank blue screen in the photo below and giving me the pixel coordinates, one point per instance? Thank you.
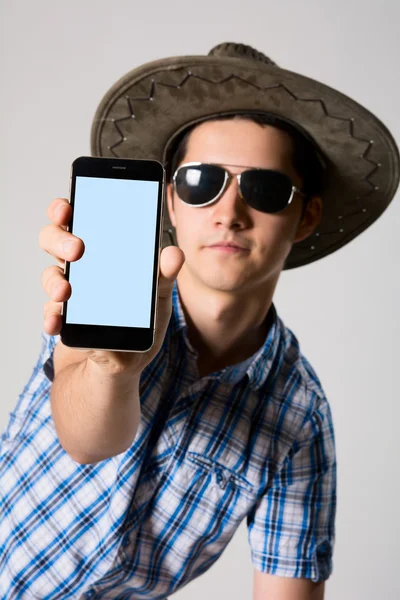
(112, 282)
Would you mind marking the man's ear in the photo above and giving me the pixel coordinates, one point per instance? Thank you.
(311, 219)
(170, 203)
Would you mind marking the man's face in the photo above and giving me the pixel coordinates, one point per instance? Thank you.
(265, 239)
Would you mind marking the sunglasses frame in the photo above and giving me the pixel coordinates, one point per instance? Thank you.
(228, 177)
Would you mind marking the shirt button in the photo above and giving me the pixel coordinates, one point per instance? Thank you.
(221, 480)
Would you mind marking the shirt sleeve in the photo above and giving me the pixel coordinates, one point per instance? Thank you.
(291, 529)
(34, 391)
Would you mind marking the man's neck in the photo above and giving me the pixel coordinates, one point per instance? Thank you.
(224, 328)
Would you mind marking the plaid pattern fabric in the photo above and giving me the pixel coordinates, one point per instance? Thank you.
(254, 441)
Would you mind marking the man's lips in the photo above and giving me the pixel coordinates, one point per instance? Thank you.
(227, 247)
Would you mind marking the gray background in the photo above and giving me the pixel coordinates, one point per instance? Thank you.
(57, 61)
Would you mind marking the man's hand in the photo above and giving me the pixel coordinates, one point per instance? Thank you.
(62, 245)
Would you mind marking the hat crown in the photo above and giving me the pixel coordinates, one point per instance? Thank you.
(234, 50)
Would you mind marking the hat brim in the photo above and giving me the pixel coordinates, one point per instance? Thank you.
(145, 110)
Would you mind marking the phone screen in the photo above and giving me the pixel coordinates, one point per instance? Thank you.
(112, 282)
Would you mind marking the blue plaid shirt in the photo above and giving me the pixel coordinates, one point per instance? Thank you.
(254, 440)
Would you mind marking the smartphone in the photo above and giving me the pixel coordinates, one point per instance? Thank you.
(117, 210)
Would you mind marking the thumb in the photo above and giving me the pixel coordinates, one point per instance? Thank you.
(171, 262)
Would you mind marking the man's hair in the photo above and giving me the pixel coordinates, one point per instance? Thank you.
(305, 159)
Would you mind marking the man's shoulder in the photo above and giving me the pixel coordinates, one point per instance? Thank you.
(296, 380)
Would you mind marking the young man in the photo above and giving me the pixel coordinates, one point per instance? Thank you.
(124, 475)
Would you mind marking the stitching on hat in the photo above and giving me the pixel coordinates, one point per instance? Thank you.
(190, 75)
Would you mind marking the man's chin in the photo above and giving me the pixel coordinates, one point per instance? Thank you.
(220, 283)
(212, 276)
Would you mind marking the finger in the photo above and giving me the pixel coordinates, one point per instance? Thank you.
(60, 244)
(171, 262)
(52, 317)
(55, 285)
(59, 212)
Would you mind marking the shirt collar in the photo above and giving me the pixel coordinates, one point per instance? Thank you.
(256, 367)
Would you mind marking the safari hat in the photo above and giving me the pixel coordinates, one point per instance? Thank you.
(147, 110)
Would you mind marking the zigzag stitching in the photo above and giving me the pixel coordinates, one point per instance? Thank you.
(190, 75)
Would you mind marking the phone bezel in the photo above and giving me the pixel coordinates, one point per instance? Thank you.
(105, 337)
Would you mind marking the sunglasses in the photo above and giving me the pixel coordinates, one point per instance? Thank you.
(200, 184)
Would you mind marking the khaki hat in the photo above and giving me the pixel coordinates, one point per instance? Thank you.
(143, 114)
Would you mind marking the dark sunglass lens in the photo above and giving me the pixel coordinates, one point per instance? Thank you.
(199, 184)
(267, 191)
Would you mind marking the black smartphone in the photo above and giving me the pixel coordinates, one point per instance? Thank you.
(117, 210)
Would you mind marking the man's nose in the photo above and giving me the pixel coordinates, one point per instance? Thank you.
(231, 210)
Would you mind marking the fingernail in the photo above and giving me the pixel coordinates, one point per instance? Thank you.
(58, 286)
(68, 245)
(58, 207)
